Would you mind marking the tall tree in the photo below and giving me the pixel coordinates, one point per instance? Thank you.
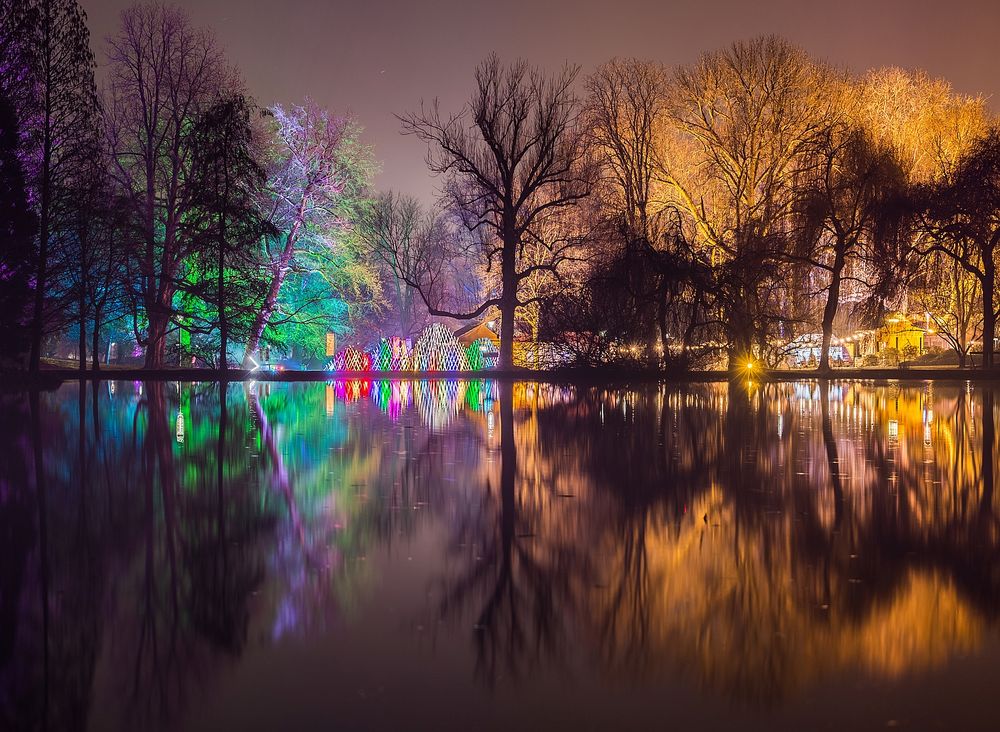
(627, 106)
(317, 180)
(164, 75)
(66, 113)
(745, 118)
(628, 116)
(511, 159)
(229, 182)
(843, 205)
(960, 216)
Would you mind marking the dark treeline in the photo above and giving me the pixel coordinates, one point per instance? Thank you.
(688, 217)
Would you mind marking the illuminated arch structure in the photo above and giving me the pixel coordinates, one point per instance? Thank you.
(437, 349)
(352, 359)
(391, 354)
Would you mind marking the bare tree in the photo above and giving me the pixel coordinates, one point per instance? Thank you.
(164, 74)
(627, 106)
(952, 299)
(398, 235)
(511, 158)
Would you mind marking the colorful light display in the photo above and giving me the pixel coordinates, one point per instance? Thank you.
(391, 354)
(352, 359)
(482, 354)
(437, 349)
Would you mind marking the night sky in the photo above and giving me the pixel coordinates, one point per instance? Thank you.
(380, 58)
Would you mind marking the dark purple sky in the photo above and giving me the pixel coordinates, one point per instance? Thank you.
(378, 58)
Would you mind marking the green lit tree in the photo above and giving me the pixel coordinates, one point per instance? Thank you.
(318, 178)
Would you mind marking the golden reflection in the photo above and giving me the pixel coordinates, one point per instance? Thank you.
(857, 536)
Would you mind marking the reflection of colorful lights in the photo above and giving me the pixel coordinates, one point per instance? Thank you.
(392, 397)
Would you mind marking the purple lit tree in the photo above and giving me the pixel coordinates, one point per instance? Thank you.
(59, 107)
(319, 175)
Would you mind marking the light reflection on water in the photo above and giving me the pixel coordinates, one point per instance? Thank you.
(470, 554)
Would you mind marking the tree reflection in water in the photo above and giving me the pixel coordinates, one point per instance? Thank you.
(751, 539)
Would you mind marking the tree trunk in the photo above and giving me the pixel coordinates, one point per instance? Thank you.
(989, 314)
(82, 339)
(221, 296)
(45, 195)
(989, 430)
(95, 346)
(41, 277)
(508, 301)
(156, 337)
(264, 316)
(830, 311)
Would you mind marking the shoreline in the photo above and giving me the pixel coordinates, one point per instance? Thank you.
(53, 377)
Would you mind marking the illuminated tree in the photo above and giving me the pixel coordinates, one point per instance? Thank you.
(953, 303)
(519, 162)
(925, 124)
(745, 117)
(318, 177)
(164, 75)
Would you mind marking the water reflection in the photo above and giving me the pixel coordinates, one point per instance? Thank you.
(748, 543)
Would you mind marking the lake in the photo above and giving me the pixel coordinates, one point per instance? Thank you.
(466, 555)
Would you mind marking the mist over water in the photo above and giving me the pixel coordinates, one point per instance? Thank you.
(495, 555)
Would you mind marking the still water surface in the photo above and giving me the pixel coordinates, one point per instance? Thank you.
(480, 555)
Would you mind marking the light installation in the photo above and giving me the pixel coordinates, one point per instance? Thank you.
(391, 354)
(437, 349)
(352, 359)
(482, 354)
